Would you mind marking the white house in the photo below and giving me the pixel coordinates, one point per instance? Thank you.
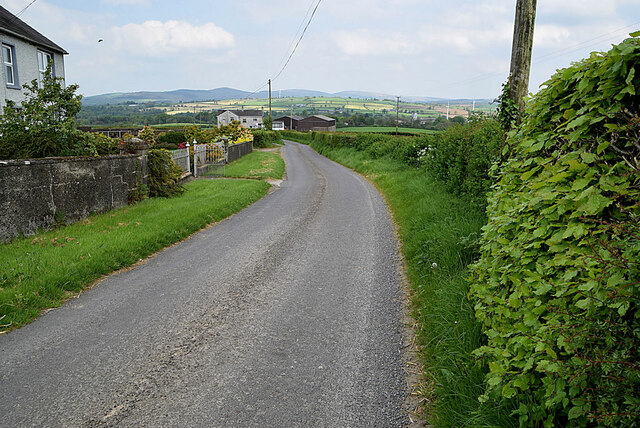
(247, 118)
(25, 56)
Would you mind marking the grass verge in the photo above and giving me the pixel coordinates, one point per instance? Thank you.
(41, 271)
(438, 232)
(257, 165)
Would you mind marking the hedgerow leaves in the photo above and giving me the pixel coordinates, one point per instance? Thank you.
(558, 283)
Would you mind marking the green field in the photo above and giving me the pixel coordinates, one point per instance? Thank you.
(333, 105)
(386, 129)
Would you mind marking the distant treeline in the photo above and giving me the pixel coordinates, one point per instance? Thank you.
(137, 115)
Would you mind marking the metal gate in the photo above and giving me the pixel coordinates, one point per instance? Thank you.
(209, 159)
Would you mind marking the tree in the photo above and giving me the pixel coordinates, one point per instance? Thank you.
(44, 124)
(458, 120)
(268, 123)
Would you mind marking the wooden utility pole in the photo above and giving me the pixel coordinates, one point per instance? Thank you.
(397, 113)
(521, 52)
(270, 118)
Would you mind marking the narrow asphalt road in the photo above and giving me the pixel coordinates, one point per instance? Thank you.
(287, 314)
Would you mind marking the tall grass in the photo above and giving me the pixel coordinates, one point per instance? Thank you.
(39, 272)
(438, 232)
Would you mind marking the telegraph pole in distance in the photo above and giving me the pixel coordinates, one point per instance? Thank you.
(397, 113)
(521, 52)
(270, 118)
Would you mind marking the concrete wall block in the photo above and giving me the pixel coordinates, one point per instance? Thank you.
(35, 194)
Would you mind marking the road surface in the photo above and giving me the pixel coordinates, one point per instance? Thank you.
(287, 314)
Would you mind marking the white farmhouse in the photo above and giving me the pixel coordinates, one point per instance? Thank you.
(25, 56)
(248, 118)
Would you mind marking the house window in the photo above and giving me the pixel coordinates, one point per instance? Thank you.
(44, 59)
(9, 59)
(244, 120)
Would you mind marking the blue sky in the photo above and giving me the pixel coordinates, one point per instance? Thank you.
(448, 49)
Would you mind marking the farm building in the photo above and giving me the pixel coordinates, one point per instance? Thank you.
(248, 118)
(317, 123)
(26, 54)
(290, 122)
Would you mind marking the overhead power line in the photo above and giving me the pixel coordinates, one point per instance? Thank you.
(296, 35)
(540, 59)
(299, 40)
(25, 8)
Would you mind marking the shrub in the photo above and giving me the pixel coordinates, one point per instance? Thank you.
(263, 139)
(44, 124)
(148, 135)
(103, 144)
(164, 174)
(462, 155)
(558, 283)
(170, 138)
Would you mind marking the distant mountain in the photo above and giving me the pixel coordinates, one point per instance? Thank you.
(193, 95)
(178, 96)
(285, 93)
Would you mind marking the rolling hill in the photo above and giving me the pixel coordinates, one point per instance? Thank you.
(218, 94)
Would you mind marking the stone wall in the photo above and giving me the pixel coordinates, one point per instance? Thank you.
(38, 193)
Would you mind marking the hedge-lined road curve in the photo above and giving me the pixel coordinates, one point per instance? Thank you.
(287, 314)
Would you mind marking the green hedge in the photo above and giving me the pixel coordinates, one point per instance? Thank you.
(164, 174)
(263, 139)
(460, 157)
(558, 282)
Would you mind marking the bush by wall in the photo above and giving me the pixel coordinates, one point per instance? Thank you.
(263, 138)
(44, 125)
(164, 174)
(558, 285)
(170, 140)
(103, 144)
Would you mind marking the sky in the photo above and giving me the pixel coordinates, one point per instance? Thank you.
(436, 48)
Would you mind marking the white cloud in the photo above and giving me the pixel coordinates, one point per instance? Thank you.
(370, 43)
(583, 8)
(466, 39)
(550, 35)
(155, 38)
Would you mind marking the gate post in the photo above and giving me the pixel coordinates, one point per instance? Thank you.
(195, 159)
(188, 157)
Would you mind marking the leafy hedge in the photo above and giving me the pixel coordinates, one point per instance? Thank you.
(558, 282)
(263, 139)
(462, 155)
(405, 149)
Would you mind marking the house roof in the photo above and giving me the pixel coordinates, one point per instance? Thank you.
(289, 117)
(319, 116)
(11, 24)
(243, 113)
